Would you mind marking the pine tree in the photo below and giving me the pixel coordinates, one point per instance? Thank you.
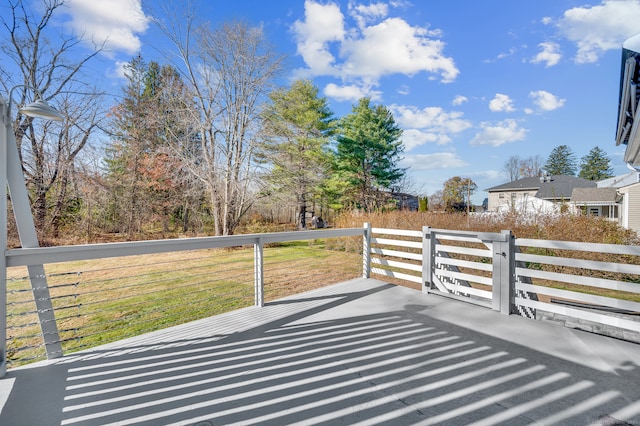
(368, 151)
(595, 165)
(143, 177)
(298, 124)
(561, 161)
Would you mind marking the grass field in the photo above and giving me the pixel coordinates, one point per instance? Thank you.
(105, 300)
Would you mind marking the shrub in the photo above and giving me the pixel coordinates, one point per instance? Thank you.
(563, 227)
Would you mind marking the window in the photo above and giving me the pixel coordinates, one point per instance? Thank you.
(593, 211)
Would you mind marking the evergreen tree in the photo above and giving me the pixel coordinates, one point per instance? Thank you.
(561, 161)
(595, 165)
(298, 124)
(142, 175)
(368, 151)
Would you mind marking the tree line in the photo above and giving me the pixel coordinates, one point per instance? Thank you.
(596, 165)
(198, 143)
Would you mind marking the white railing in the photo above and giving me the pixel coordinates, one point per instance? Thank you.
(54, 311)
(398, 258)
(539, 279)
(594, 294)
(109, 291)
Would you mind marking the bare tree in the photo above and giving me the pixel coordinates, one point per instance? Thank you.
(436, 200)
(230, 70)
(515, 167)
(531, 166)
(47, 150)
(511, 168)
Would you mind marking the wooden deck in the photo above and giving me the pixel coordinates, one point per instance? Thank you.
(361, 352)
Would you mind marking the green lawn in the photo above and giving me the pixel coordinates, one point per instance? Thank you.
(105, 300)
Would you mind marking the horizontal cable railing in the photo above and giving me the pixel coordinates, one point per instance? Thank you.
(293, 267)
(106, 292)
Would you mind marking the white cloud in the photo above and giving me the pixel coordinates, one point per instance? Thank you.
(404, 90)
(351, 93)
(550, 54)
(459, 100)
(412, 138)
(378, 47)
(546, 101)
(499, 133)
(501, 103)
(488, 175)
(323, 24)
(430, 124)
(119, 71)
(441, 160)
(117, 23)
(364, 14)
(405, 49)
(596, 29)
(502, 55)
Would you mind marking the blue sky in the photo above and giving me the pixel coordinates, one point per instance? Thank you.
(470, 82)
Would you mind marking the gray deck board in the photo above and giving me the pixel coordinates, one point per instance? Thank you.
(361, 352)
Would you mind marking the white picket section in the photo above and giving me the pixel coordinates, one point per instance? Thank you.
(585, 309)
(393, 268)
(400, 232)
(464, 250)
(396, 264)
(397, 243)
(396, 253)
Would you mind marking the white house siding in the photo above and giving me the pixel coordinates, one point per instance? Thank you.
(496, 203)
(631, 207)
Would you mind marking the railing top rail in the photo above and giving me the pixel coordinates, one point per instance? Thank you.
(400, 232)
(43, 255)
(578, 246)
(483, 236)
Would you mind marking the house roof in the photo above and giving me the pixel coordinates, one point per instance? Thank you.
(620, 181)
(594, 195)
(549, 187)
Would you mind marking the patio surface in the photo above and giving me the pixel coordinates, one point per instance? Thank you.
(362, 352)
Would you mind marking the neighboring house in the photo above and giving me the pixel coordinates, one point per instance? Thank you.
(544, 194)
(627, 131)
(630, 207)
(628, 134)
(404, 201)
(628, 198)
(597, 202)
(620, 181)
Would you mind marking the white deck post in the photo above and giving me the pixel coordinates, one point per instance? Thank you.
(29, 239)
(6, 128)
(428, 251)
(503, 273)
(366, 251)
(258, 271)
